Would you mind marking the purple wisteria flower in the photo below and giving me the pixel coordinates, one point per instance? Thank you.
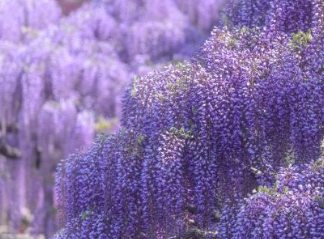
(198, 137)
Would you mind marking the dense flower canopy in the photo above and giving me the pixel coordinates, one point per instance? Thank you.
(62, 79)
(196, 138)
(28, 17)
(249, 104)
(288, 16)
(293, 208)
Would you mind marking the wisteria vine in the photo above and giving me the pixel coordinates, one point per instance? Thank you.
(200, 136)
(62, 81)
(292, 208)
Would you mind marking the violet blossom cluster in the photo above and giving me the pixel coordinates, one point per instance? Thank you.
(203, 133)
(52, 95)
(292, 208)
(62, 81)
(287, 16)
(20, 19)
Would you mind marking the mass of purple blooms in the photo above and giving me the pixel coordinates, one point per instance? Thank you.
(222, 141)
(292, 208)
(288, 16)
(63, 79)
(244, 116)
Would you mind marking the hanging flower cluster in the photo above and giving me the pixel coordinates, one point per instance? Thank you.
(293, 208)
(288, 16)
(203, 134)
(204, 14)
(20, 19)
(62, 80)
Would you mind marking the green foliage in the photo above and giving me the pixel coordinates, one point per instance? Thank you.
(140, 139)
(271, 190)
(266, 190)
(256, 171)
(318, 165)
(182, 132)
(178, 64)
(178, 84)
(232, 43)
(135, 147)
(87, 214)
(320, 200)
(300, 40)
(135, 84)
(105, 125)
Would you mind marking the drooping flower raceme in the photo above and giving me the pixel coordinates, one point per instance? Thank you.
(63, 78)
(21, 19)
(201, 133)
(288, 16)
(293, 208)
